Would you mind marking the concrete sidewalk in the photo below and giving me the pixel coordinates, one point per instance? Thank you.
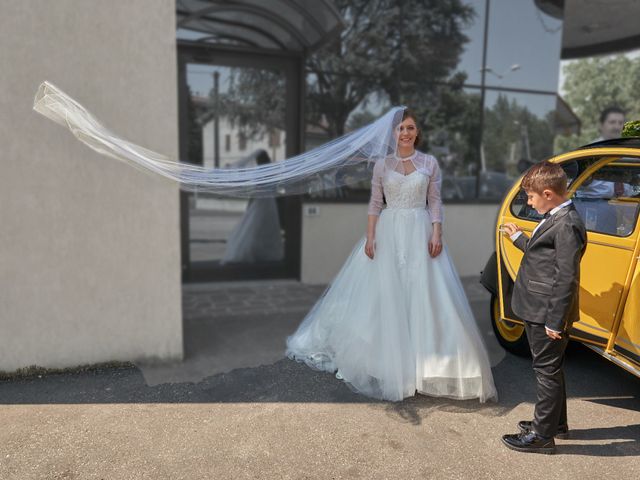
(279, 419)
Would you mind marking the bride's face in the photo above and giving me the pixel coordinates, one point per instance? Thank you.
(406, 133)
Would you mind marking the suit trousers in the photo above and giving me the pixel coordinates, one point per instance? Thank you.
(548, 359)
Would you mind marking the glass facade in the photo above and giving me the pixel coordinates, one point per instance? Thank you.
(481, 75)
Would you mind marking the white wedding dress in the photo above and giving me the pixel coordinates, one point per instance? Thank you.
(399, 323)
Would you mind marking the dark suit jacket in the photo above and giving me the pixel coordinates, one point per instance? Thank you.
(547, 286)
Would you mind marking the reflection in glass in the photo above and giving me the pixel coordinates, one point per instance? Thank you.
(451, 130)
(518, 132)
(426, 65)
(471, 58)
(608, 201)
(319, 131)
(257, 237)
(235, 120)
(520, 33)
(403, 49)
(452, 134)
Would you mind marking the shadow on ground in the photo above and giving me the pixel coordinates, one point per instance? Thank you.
(234, 349)
(589, 377)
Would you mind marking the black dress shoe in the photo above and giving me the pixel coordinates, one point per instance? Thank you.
(561, 434)
(529, 442)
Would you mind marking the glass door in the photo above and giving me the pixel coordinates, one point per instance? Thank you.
(236, 113)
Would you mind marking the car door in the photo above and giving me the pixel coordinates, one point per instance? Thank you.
(605, 265)
(625, 341)
(607, 200)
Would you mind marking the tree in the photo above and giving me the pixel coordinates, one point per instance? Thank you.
(401, 49)
(254, 101)
(509, 125)
(451, 119)
(591, 85)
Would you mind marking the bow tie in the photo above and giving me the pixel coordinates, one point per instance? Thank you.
(546, 215)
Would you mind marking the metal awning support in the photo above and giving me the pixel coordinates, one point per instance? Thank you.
(281, 25)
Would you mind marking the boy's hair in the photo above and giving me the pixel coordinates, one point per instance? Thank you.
(545, 175)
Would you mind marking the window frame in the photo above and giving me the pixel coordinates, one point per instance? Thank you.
(576, 183)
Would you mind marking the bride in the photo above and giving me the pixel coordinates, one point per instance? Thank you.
(395, 320)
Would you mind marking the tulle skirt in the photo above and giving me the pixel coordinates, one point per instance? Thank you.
(399, 323)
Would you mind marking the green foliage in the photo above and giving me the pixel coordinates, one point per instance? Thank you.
(400, 50)
(508, 128)
(452, 123)
(254, 101)
(631, 129)
(591, 85)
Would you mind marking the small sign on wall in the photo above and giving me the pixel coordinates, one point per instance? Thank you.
(311, 210)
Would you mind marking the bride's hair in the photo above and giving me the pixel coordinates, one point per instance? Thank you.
(409, 114)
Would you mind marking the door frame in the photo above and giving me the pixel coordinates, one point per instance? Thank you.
(292, 66)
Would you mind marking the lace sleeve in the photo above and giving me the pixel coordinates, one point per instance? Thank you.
(376, 202)
(434, 199)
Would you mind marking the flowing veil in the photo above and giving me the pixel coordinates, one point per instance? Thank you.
(345, 160)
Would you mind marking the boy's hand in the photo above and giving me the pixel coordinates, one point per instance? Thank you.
(510, 228)
(552, 334)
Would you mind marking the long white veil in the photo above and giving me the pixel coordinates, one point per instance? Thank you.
(342, 161)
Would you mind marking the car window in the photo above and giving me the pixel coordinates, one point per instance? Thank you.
(609, 200)
(573, 168)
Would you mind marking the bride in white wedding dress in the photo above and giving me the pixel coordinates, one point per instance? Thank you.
(395, 320)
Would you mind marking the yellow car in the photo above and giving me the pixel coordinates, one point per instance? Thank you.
(604, 184)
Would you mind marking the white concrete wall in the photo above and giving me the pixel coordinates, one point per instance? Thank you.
(90, 250)
(329, 237)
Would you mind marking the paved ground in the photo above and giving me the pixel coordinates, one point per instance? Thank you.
(263, 416)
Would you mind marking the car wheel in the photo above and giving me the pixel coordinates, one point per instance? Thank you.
(510, 335)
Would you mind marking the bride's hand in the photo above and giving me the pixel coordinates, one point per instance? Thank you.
(370, 247)
(435, 244)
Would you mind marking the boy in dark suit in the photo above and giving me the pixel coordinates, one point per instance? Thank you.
(545, 296)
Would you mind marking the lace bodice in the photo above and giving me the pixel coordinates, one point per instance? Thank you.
(405, 191)
(419, 189)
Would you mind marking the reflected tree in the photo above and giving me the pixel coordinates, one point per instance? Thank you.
(512, 132)
(254, 101)
(591, 85)
(402, 50)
